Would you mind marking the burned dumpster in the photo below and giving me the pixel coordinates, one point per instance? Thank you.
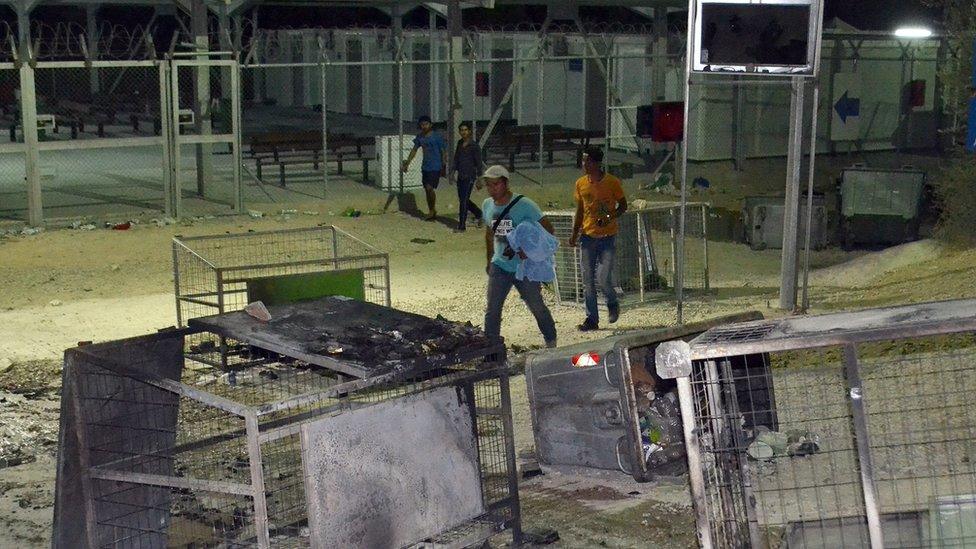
(600, 405)
(336, 423)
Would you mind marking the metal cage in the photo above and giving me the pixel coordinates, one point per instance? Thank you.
(212, 273)
(866, 439)
(159, 452)
(646, 262)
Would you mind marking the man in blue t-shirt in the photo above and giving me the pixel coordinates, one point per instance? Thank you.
(432, 168)
(502, 213)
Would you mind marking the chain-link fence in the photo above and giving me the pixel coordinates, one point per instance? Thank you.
(13, 192)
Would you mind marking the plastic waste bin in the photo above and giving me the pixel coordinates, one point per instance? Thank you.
(600, 405)
(880, 206)
(763, 216)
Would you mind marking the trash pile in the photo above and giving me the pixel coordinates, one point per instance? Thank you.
(661, 433)
(768, 444)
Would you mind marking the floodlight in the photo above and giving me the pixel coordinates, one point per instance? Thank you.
(913, 32)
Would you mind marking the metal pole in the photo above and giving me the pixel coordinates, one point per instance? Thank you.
(539, 107)
(787, 291)
(91, 12)
(805, 303)
(202, 95)
(680, 246)
(235, 103)
(609, 121)
(176, 147)
(165, 130)
(257, 481)
(325, 126)
(399, 169)
(852, 372)
(508, 426)
(476, 111)
(704, 216)
(695, 476)
(28, 112)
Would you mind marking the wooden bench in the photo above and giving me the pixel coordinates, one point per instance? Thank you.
(512, 142)
(305, 147)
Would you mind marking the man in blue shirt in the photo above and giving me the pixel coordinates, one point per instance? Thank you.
(432, 168)
(501, 214)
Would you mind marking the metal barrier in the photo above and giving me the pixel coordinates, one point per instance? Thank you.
(841, 430)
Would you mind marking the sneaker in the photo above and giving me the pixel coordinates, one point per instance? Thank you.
(432, 216)
(480, 223)
(588, 326)
(613, 313)
(459, 230)
(551, 344)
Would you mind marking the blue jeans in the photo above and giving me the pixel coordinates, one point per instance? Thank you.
(500, 282)
(597, 259)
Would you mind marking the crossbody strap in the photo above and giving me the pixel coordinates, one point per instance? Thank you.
(507, 209)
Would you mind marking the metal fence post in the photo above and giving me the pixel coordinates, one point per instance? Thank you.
(257, 481)
(852, 371)
(28, 111)
(794, 158)
(323, 99)
(399, 91)
(704, 226)
(695, 476)
(235, 101)
(539, 106)
(165, 131)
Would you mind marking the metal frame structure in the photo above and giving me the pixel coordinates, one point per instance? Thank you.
(844, 373)
(794, 155)
(640, 256)
(210, 272)
(155, 452)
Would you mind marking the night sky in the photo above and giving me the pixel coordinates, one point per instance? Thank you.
(863, 14)
(881, 14)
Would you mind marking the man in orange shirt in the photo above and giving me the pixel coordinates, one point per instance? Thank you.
(599, 202)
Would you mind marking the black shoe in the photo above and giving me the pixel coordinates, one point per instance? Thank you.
(588, 326)
(613, 313)
(459, 230)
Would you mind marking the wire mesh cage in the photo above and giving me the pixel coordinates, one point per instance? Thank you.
(853, 429)
(157, 452)
(645, 264)
(214, 274)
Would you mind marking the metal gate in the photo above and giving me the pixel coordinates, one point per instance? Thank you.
(204, 132)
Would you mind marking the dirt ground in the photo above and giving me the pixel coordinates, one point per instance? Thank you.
(63, 286)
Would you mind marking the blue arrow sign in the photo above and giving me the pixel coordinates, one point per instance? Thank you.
(847, 107)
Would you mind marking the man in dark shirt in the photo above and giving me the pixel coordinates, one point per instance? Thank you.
(467, 164)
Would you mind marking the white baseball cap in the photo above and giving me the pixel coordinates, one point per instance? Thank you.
(496, 171)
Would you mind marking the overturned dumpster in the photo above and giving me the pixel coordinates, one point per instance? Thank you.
(336, 423)
(599, 406)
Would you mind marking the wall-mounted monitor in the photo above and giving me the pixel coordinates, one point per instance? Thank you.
(757, 36)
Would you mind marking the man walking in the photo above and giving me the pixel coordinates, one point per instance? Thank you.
(432, 167)
(467, 164)
(504, 211)
(599, 202)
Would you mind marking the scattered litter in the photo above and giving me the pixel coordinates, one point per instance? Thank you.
(288, 212)
(163, 222)
(639, 204)
(87, 227)
(115, 267)
(55, 303)
(258, 311)
(122, 226)
(701, 182)
(771, 444)
(5, 364)
(421, 240)
(30, 231)
(255, 214)
(310, 212)
(530, 468)
(351, 212)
